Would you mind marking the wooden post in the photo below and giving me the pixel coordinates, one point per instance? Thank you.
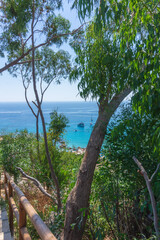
(1, 184)
(5, 182)
(10, 209)
(22, 219)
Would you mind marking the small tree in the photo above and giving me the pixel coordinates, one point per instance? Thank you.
(51, 67)
(43, 66)
(52, 22)
(57, 126)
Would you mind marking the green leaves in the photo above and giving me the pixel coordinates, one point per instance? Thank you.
(16, 20)
(56, 26)
(16, 151)
(99, 64)
(52, 65)
(136, 24)
(57, 125)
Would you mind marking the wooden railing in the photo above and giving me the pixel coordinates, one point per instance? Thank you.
(25, 208)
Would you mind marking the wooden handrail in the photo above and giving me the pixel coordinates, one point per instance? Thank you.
(25, 208)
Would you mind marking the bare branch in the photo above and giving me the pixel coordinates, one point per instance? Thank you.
(155, 172)
(27, 40)
(35, 104)
(153, 201)
(47, 86)
(143, 171)
(37, 183)
(26, 88)
(28, 61)
(38, 31)
(41, 88)
(37, 20)
(43, 91)
(29, 103)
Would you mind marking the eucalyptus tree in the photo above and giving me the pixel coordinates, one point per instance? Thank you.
(104, 76)
(57, 126)
(136, 22)
(26, 27)
(53, 26)
(51, 67)
(15, 30)
(14, 17)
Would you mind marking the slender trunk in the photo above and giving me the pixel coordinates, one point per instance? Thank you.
(117, 208)
(53, 175)
(107, 218)
(37, 136)
(78, 200)
(37, 127)
(155, 214)
(151, 194)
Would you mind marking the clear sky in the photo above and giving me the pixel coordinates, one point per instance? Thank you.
(11, 89)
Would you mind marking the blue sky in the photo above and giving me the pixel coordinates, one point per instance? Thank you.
(11, 89)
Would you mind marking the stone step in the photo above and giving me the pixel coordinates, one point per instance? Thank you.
(5, 236)
(4, 226)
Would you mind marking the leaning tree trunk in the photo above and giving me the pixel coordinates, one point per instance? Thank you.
(78, 200)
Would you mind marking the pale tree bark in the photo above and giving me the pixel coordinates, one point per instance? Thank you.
(78, 200)
(149, 187)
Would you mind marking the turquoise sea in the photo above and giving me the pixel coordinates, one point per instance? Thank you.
(18, 116)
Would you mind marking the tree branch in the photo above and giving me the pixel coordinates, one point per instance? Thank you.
(26, 88)
(153, 201)
(37, 183)
(155, 172)
(27, 40)
(28, 61)
(35, 104)
(14, 62)
(116, 100)
(119, 97)
(47, 86)
(109, 88)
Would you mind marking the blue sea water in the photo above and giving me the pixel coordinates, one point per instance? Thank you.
(18, 116)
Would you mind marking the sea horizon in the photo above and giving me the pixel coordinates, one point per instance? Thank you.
(17, 116)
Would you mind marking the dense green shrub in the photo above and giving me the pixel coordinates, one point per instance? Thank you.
(16, 151)
(120, 201)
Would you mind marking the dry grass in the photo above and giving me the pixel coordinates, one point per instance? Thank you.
(39, 201)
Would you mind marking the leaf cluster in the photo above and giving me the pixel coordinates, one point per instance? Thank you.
(57, 125)
(137, 24)
(100, 66)
(16, 150)
(16, 21)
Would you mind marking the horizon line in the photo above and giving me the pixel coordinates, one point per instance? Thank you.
(49, 101)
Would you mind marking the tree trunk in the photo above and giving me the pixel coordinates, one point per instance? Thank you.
(78, 200)
(53, 175)
(151, 194)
